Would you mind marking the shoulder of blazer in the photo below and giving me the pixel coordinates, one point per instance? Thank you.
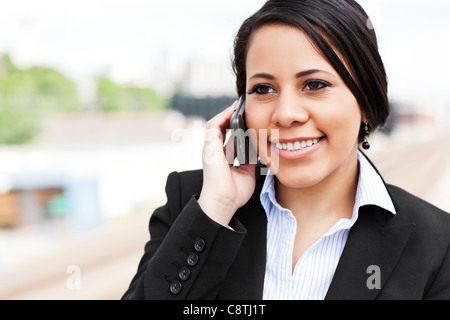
(190, 183)
(411, 208)
(427, 217)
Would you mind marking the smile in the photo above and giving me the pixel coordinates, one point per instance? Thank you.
(297, 145)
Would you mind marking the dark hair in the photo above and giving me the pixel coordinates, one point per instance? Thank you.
(342, 24)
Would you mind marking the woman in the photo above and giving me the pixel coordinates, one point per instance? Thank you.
(319, 222)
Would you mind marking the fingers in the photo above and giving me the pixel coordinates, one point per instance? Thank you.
(230, 151)
(213, 151)
(221, 121)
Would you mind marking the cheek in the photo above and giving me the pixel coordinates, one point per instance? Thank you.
(258, 120)
(341, 121)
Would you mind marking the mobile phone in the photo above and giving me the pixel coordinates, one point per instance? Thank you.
(238, 127)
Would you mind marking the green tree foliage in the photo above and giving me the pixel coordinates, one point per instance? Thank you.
(115, 97)
(27, 95)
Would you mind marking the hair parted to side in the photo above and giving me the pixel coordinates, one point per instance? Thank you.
(339, 24)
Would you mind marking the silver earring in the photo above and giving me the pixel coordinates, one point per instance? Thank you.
(366, 144)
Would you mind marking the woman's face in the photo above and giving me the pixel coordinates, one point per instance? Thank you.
(291, 87)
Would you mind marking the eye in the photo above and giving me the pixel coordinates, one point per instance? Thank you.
(262, 89)
(315, 85)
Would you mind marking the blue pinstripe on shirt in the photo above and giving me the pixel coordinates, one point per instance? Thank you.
(314, 271)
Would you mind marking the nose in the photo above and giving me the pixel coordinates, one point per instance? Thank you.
(290, 111)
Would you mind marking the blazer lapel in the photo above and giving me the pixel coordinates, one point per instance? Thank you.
(373, 248)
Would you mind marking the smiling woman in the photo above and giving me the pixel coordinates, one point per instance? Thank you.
(318, 225)
(341, 36)
(312, 104)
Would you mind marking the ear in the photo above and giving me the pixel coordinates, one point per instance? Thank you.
(363, 118)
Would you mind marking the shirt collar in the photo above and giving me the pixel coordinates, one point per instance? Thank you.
(371, 189)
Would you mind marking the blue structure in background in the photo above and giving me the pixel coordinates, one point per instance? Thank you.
(83, 207)
(76, 198)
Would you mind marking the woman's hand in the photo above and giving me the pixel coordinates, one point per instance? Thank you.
(225, 187)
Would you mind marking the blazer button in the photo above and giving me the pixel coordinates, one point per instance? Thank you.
(184, 273)
(199, 245)
(192, 259)
(175, 287)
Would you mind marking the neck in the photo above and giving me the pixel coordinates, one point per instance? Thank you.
(333, 197)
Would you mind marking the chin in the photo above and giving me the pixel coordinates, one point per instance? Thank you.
(299, 179)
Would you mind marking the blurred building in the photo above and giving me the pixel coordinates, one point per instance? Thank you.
(209, 77)
(85, 168)
(207, 88)
(34, 197)
(205, 107)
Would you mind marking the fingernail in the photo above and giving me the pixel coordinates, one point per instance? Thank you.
(233, 105)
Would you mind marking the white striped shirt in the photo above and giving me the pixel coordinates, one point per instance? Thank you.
(314, 270)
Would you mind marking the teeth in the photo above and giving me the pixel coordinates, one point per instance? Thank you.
(290, 146)
(297, 145)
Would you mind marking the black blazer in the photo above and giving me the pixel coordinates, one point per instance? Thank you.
(190, 256)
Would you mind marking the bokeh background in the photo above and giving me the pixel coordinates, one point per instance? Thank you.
(100, 100)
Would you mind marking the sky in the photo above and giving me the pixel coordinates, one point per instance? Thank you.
(135, 40)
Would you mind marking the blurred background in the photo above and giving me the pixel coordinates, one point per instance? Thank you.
(100, 100)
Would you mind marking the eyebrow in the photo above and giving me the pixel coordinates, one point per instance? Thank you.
(297, 75)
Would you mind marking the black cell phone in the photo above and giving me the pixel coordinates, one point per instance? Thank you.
(238, 130)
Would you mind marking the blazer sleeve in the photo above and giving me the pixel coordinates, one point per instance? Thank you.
(188, 254)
